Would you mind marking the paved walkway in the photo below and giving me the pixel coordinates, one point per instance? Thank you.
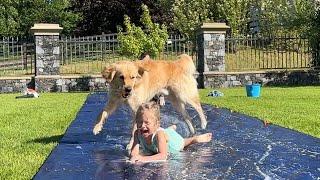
(242, 148)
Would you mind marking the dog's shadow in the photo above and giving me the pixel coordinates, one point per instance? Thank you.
(47, 140)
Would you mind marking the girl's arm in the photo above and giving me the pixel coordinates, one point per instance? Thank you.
(162, 149)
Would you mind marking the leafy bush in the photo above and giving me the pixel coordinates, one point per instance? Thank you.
(136, 41)
(188, 16)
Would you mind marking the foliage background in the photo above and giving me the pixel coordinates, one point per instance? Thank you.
(18, 16)
(93, 17)
(150, 39)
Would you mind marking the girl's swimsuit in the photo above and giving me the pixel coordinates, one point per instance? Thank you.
(175, 142)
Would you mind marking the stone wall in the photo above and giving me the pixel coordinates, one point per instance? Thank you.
(266, 78)
(53, 83)
(15, 84)
(211, 80)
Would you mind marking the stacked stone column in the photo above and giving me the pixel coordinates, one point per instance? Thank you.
(211, 50)
(47, 52)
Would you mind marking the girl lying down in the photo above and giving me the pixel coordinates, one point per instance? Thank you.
(153, 143)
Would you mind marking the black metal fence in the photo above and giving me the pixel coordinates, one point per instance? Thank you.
(88, 55)
(260, 53)
(16, 56)
(80, 55)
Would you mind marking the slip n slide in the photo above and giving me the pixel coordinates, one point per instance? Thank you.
(242, 147)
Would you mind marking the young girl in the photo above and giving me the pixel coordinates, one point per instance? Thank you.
(153, 143)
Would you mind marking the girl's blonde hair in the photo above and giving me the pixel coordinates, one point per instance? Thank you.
(152, 107)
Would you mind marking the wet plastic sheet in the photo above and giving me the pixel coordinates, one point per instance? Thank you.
(242, 148)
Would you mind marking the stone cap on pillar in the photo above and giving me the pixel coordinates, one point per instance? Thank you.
(213, 28)
(46, 29)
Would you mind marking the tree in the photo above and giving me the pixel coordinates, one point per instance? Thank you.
(299, 16)
(17, 17)
(58, 11)
(105, 16)
(236, 14)
(189, 14)
(8, 18)
(136, 41)
(48, 11)
(165, 13)
(280, 16)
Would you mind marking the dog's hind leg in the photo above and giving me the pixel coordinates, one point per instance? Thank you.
(195, 103)
(180, 107)
(107, 110)
(188, 92)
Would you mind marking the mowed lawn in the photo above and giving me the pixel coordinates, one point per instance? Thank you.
(295, 108)
(31, 128)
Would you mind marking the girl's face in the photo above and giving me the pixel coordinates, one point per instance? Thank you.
(147, 124)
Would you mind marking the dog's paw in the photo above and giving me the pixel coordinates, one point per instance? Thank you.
(203, 125)
(97, 128)
(162, 102)
(129, 147)
(192, 131)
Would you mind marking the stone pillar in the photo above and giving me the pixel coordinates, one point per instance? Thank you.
(211, 49)
(47, 65)
(47, 48)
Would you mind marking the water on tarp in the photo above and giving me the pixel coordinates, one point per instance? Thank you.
(242, 147)
(114, 161)
(189, 164)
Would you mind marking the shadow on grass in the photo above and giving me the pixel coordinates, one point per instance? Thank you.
(47, 140)
(294, 79)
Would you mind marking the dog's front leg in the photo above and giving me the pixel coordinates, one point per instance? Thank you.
(134, 128)
(107, 110)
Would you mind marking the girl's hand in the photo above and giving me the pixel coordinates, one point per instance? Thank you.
(136, 158)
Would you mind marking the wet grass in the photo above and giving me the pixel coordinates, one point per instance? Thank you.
(31, 128)
(291, 107)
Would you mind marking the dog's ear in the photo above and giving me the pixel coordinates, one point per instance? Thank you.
(146, 58)
(109, 72)
(141, 71)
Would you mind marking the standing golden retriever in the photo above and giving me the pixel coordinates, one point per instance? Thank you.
(138, 82)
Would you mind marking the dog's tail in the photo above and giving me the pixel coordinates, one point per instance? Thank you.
(186, 63)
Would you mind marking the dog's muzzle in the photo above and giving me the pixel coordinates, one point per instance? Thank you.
(127, 92)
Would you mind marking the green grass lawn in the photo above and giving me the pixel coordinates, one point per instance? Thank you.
(295, 108)
(31, 128)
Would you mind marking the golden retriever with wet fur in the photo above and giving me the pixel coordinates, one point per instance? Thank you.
(137, 82)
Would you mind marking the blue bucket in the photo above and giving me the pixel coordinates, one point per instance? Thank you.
(253, 90)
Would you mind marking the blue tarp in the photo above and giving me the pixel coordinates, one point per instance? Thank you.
(242, 147)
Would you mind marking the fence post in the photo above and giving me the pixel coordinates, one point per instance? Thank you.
(211, 49)
(24, 56)
(47, 55)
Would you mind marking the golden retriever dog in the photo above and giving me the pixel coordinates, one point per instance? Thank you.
(137, 82)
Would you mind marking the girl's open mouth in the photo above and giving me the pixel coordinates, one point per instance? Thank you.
(144, 131)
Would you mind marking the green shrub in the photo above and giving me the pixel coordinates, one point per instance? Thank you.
(136, 41)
